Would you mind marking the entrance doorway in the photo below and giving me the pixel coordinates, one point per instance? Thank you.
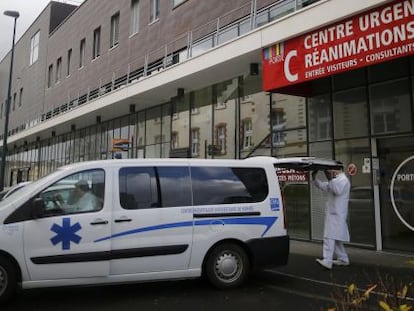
(396, 159)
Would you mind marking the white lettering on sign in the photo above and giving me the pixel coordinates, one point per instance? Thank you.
(401, 178)
(405, 177)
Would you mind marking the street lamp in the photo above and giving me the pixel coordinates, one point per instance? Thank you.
(15, 15)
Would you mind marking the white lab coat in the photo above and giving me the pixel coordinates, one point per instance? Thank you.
(336, 212)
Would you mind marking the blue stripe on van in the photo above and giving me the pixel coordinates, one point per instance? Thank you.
(264, 221)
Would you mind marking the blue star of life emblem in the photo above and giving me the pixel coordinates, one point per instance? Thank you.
(66, 233)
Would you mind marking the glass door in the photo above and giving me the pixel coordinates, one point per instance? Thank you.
(396, 160)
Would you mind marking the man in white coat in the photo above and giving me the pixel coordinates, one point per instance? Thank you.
(336, 228)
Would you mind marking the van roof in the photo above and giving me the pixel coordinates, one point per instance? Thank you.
(299, 163)
(111, 162)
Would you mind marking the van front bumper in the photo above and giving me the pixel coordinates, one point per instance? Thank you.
(269, 252)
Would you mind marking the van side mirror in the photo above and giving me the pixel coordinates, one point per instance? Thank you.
(38, 208)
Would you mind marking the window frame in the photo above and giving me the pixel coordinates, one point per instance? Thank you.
(96, 48)
(69, 63)
(20, 97)
(114, 34)
(154, 11)
(34, 48)
(50, 76)
(134, 22)
(176, 3)
(82, 53)
(58, 76)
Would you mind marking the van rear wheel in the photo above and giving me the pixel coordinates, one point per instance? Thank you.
(8, 279)
(227, 266)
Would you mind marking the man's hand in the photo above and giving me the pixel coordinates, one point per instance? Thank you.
(314, 174)
(328, 174)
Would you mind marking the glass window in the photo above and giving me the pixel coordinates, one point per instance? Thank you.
(390, 70)
(50, 76)
(361, 220)
(154, 10)
(59, 69)
(225, 185)
(179, 123)
(138, 188)
(318, 198)
(319, 118)
(69, 62)
(114, 39)
(390, 107)
(221, 135)
(289, 143)
(77, 193)
(14, 101)
(82, 53)
(153, 131)
(34, 48)
(174, 180)
(195, 142)
(349, 79)
(296, 200)
(288, 112)
(224, 98)
(96, 42)
(247, 132)
(201, 102)
(21, 97)
(178, 2)
(254, 106)
(134, 16)
(350, 113)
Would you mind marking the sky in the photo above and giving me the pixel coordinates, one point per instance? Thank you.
(29, 10)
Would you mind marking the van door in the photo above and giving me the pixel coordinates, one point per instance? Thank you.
(152, 220)
(62, 242)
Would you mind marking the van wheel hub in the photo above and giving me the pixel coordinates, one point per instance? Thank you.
(228, 267)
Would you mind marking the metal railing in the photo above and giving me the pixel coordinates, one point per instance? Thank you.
(187, 45)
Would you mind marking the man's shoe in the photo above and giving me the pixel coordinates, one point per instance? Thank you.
(324, 264)
(340, 263)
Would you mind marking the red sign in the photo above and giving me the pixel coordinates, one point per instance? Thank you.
(352, 169)
(291, 176)
(372, 37)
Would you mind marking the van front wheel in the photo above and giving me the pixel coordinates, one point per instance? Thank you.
(227, 266)
(8, 279)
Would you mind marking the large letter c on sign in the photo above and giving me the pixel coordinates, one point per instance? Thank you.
(289, 76)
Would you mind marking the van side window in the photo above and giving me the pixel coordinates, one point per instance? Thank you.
(175, 186)
(138, 188)
(149, 187)
(225, 185)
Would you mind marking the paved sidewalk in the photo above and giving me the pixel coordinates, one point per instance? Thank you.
(358, 256)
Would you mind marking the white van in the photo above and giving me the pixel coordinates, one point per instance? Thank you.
(134, 220)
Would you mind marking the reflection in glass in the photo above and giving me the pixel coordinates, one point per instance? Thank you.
(361, 216)
(201, 121)
(225, 117)
(254, 119)
(350, 113)
(390, 107)
(319, 118)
